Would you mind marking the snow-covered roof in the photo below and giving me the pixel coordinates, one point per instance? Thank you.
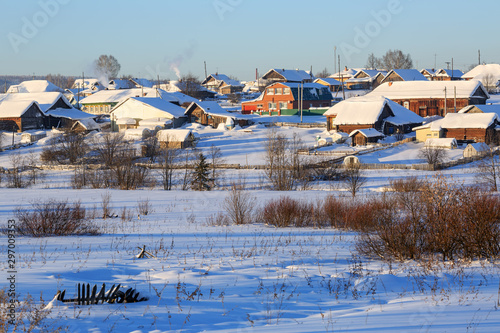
(479, 146)
(14, 109)
(448, 72)
(428, 89)
(480, 72)
(408, 74)
(86, 83)
(346, 73)
(441, 142)
(331, 81)
(69, 114)
(367, 132)
(142, 83)
(120, 84)
(211, 108)
(431, 71)
(291, 75)
(34, 86)
(463, 120)
(119, 95)
(372, 72)
(223, 78)
(45, 100)
(367, 110)
(494, 108)
(89, 124)
(155, 122)
(147, 107)
(173, 135)
(126, 121)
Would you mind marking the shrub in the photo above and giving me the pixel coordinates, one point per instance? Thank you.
(54, 218)
(238, 205)
(286, 212)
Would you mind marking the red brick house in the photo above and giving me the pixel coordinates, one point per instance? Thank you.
(433, 98)
(285, 96)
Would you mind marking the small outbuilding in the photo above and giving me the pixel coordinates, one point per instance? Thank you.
(363, 137)
(175, 138)
(476, 149)
(450, 143)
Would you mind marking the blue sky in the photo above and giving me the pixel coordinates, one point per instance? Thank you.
(155, 37)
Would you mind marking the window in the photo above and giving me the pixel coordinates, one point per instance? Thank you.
(283, 105)
(270, 91)
(272, 106)
(286, 91)
(260, 106)
(406, 105)
(279, 91)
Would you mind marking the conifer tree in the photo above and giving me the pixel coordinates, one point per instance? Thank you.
(200, 177)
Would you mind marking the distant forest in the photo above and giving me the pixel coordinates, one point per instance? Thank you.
(59, 80)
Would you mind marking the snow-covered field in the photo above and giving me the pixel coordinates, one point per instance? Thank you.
(250, 278)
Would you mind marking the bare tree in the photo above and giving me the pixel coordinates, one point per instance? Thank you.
(67, 148)
(107, 65)
(16, 177)
(35, 173)
(168, 157)
(396, 59)
(324, 73)
(216, 160)
(108, 146)
(353, 178)
(238, 205)
(488, 170)
(489, 82)
(186, 165)
(372, 62)
(433, 155)
(191, 85)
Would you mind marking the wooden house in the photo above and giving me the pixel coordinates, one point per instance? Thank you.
(139, 108)
(20, 116)
(284, 98)
(431, 98)
(397, 75)
(488, 74)
(378, 113)
(346, 74)
(448, 75)
(175, 138)
(464, 127)
(365, 79)
(331, 83)
(428, 73)
(222, 84)
(363, 137)
(287, 75)
(212, 114)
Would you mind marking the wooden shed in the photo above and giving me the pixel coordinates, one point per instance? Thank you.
(363, 137)
(476, 149)
(175, 138)
(20, 115)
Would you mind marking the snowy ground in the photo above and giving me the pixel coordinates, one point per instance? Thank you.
(251, 278)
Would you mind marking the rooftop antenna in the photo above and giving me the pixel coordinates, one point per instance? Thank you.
(447, 64)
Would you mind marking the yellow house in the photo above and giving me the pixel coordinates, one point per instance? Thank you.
(431, 130)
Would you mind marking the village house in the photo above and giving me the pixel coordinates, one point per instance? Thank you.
(431, 98)
(464, 127)
(346, 74)
(222, 84)
(486, 108)
(397, 75)
(488, 74)
(365, 79)
(287, 75)
(212, 114)
(428, 73)
(476, 150)
(141, 108)
(284, 98)
(365, 112)
(34, 86)
(331, 83)
(448, 75)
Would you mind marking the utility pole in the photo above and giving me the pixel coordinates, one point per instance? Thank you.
(342, 81)
(435, 57)
(455, 98)
(334, 60)
(206, 75)
(479, 57)
(452, 71)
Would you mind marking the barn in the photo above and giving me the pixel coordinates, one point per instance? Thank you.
(20, 116)
(175, 138)
(433, 98)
